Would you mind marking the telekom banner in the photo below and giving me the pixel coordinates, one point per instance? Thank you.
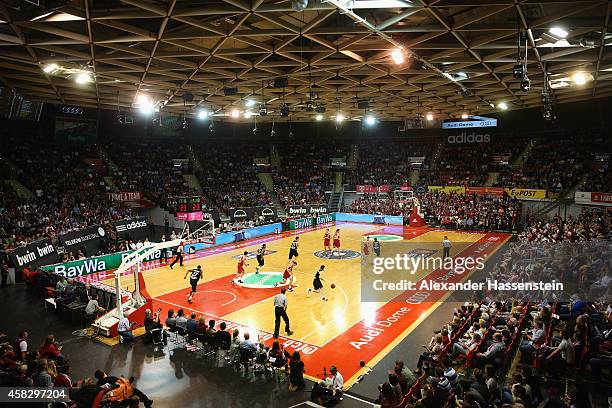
(190, 216)
(593, 198)
(368, 188)
(125, 196)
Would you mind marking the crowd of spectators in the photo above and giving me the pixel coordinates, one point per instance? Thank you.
(478, 212)
(228, 175)
(589, 225)
(387, 162)
(387, 204)
(303, 175)
(68, 193)
(149, 168)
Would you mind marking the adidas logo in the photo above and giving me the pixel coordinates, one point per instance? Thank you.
(132, 225)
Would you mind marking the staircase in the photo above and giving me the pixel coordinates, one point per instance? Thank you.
(566, 197)
(274, 156)
(413, 177)
(338, 184)
(435, 157)
(21, 190)
(106, 158)
(491, 179)
(353, 159)
(522, 158)
(335, 200)
(268, 183)
(196, 165)
(193, 182)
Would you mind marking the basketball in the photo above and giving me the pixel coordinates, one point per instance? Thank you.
(333, 286)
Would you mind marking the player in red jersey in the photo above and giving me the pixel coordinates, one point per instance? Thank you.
(240, 267)
(327, 240)
(288, 276)
(337, 241)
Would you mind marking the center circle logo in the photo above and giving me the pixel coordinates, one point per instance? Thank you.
(263, 280)
(385, 237)
(342, 254)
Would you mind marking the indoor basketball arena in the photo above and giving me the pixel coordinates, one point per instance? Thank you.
(305, 203)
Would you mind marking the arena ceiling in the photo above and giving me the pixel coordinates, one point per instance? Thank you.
(459, 54)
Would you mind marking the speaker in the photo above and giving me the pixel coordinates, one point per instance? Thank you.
(281, 82)
(363, 104)
(227, 91)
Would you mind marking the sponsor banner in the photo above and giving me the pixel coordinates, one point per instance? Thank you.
(135, 228)
(95, 264)
(526, 193)
(34, 254)
(249, 213)
(211, 214)
(490, 191)
(406, 187)
(325, 218)
(367, 188)
(371, 218)
(242, 213)
(467, 138)
(125, 196)
(593, 198)
(249, 233)
(473, 122)
(302, 223)
(306, 209)
(420, 189)
(447, 189)
(190, 216)
(90, 239)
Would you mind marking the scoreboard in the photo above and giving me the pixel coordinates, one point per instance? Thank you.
(188, 204)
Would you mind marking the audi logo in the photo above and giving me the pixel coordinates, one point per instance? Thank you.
(72, 110)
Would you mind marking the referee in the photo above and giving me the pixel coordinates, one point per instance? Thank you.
(446, 246)
(280, 310)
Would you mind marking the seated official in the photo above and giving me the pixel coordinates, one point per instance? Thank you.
(93, 309)
(201, 327)
(171, 320)
(152, 322)
(210, 331)
(60, 286)
(85, 294)
(181, 320)
(222, 337)
(248, 345)
(192, 323)
(125, 330)
(329, 391)
(277, 355)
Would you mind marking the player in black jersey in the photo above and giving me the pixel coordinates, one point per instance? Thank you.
(294, 247)
(317, 284)
(261, 252)
(194, 276)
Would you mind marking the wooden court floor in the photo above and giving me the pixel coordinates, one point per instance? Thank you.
(320, 327)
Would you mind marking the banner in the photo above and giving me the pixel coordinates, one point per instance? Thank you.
(88, 239)
(249, 213)
(125, 196)
(134, 229)
(190, 216)
(301, 223)
(370, 218)
(307, 209)
(526, 193)
(367, 188)
(473, 122)
(593, 198)
(95, 264)
(34, 254)
(467, 138)
(491, 191)
(447, 189)
(211, 214)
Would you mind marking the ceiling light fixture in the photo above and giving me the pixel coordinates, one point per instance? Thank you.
(502, 105)
(429, 117)
(398, 56)
(50, 68)
(202, 114)
(249, 103)
(83, 78)
(339, 117)
(235, 113)
(370, 120)
(464, 116)
(319, 117)
(579, 78)
(558, 32)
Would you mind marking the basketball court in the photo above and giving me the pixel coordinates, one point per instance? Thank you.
(340, 331)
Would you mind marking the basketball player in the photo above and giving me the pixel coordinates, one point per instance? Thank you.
(317, 284)
(294, 247)
(179, 256)
(240, 267)
(194, 277)
(365, 251)
(261, 252)
(288, 276)
(376, 247)
(327, 241)
(337, 241)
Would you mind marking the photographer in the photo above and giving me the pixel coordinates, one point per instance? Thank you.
(153, 326)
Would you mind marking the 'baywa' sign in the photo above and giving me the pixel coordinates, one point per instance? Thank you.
(96, 264)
